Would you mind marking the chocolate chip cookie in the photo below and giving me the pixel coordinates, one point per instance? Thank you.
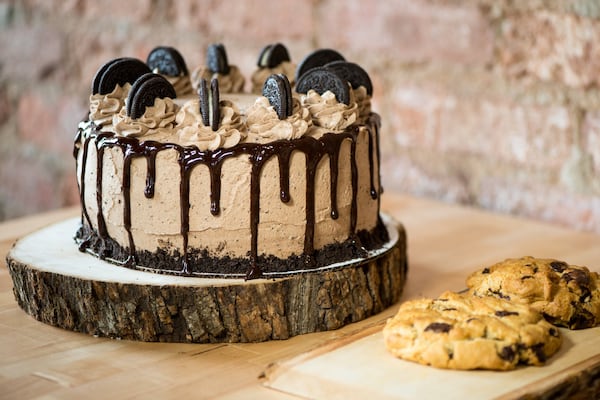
(460, 331)
(567, 295)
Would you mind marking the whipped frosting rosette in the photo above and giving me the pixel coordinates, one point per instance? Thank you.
(259, 76)
(104, 106)
(329, 114)
(157, 119)
(264, 125)
(182, 84)
(363, 100)
(232, 82)
(192, 131)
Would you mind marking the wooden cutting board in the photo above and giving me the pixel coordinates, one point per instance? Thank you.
(371, 372)
(440, 258)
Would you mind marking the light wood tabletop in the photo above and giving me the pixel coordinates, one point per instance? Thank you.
(445, 243)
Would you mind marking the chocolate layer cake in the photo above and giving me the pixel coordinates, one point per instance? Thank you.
(188, 175)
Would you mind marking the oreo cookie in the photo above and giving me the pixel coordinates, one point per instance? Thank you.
(118, 72)
(203, 99)
(272, 55)
(145, 90)
(322, 79)
(278, 91)
(353, 73)
(99, 73)
(209, 103)
(167, 61)
(216, 59)
(317, 58)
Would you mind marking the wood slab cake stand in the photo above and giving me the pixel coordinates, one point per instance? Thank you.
(60, 286)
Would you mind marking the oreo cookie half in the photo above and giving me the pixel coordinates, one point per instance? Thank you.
(209, 104)
(353, 73)
(322, 79)
(167, 61)
(118, 72)
(317, 58)
(272, 55)
(278, 91)
(216, 59)
(204, 98)
(145, 90)
(98, 75)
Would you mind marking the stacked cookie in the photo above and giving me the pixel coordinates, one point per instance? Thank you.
(508, 316)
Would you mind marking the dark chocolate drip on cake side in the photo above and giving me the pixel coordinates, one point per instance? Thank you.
(102, 231)
(150, 172)
(255, 271)
(334, 157)
(375, 131)
(85, 216)
(374, 193)
(283, 159)
(189, 157)
(126, 186)
(354, 204)
(184, 203)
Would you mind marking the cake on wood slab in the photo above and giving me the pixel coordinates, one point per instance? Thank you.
(224, 183)
(220, 209)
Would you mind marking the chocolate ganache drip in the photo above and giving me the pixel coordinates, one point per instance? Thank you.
(190, 156)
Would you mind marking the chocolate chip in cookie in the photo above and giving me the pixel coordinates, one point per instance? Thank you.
(438, 327)
(321, 79)
(118, 72)
(166, 60)
(145, 90)
(272, 55)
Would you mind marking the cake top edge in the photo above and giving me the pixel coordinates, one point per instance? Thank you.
(160, 100)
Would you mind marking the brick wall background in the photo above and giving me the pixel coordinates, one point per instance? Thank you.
(494, 104)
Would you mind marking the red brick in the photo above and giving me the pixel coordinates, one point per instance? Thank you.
(591, 138)
(552, 47)
(5, 107)
(535, 136)
(49, 120)
(118, 10)
(69, 191)
(190, 14)
(25, 59)
(258, 22)
(28, 184)
(63, 7)
(407, 30)
(402, 173)
(537, 201)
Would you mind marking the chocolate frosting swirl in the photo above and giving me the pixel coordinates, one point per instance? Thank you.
(182, 84)
(192, 131)
(328, 113)
(233, 82)
(264, 125)
(160, 118)
(364, 102)
(104, 106)
(259, 76)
